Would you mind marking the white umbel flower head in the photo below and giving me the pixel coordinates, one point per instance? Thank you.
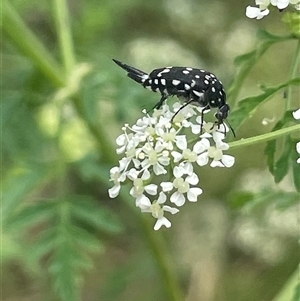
(262, 9)
(157, 150)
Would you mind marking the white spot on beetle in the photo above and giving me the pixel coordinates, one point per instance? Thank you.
(175, 82)
(163, 81)
(197, 93)
(213, 89)
(197, 76)
(156, 81)
(187, 87)
(185, 71)
(193, 83)
(206, 82)
(207, 76)
(189, 69)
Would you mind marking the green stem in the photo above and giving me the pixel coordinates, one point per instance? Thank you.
(64, 34)
(288, 292)
(264, 137)
(163, 260)
(24, 39)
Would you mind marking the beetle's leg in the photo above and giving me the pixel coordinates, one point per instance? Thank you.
(182, 107)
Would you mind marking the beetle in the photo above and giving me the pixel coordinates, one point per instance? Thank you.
(192, 85)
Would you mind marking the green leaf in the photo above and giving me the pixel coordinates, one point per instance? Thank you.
(281, 167)
(94, 214)
(270, 150)
(44, 245)
(30, 216)
(92, 169)
(84, 239)
(240, 198)
(247, 107)
(285, 200)
(250, 201)
(19, 184)
(246, 61)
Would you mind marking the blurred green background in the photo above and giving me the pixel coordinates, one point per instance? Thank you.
(62, 237)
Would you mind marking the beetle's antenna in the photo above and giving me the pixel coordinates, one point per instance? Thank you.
(233, 132)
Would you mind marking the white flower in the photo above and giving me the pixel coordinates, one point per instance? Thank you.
(255, 12)
(156, 149)
(262, 9)
(155, 157)
(298, 150)
(281, 4)
(139, 188)
(117, 178)
(215, 152)
(182, 186)
(296, 114)
(157, 210)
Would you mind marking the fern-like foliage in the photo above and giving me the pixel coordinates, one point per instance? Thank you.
(69, 228)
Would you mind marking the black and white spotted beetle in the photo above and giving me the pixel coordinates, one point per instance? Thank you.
(193, 86)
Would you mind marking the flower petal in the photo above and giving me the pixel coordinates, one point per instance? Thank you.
(298, 147)
(215, 163)
(161, 198)
(178, 171)
(202, 159)
(166, 186)
(114, 191)
(296, 114)
(255, 12)
(193, 194)
(181, 142)
(162, 222)
(177, 198)
(159, 169)
(192, 179)
(177, 156)
(228, 160)
(188, 168)
(143, 202)
(172, 210)
(151, 189)
(201, 146)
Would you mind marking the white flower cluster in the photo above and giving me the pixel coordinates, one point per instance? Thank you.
(262, 9)
(296, 115)
(159, 162)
